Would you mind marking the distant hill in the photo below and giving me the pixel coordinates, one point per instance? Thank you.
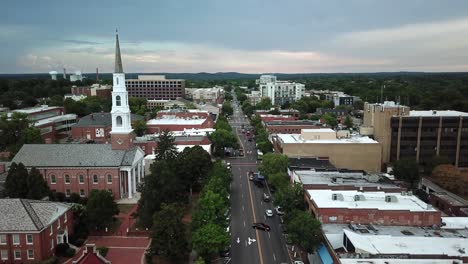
(234, 75)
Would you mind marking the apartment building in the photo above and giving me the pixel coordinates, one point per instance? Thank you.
(155, 87)
(280, 92)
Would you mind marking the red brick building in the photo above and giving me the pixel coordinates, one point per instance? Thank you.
(269, 118)
(148, 143)
(155, 87)
(80, 168)
(290, 127)
(30, 230)
(50, 120)
(102, 91)
(287, 112)
(91, 256)
(342, 207)
(177, 120)
(96, 127)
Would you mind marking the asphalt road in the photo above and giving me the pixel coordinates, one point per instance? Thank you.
(249, 245)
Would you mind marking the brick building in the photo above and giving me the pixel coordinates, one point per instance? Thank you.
(148, 143)
(80, 168)
(177, 120)
(96, 127)
(269, 118)
(155, 87)
(287, 112)
(102, 91)
(343, 206)
(52, 121)
(30, 230)
(290, 126)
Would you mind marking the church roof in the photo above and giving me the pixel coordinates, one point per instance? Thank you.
(118, 58)
(74, 155)
(100, 120)
(29, 215)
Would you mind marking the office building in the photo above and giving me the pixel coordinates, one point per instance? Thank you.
(155, 87)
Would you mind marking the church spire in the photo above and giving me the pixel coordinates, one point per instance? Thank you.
(118, 58)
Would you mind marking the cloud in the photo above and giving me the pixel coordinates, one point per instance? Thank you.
(84, 42)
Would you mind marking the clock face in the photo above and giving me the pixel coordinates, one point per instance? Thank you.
(99, 132)
(119, 141)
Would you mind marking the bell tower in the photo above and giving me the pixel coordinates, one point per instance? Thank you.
(122, 135)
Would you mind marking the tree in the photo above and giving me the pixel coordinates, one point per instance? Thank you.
(37, 186)
(434, 162)
(16, 183)
(304, 230)
(348, 122)
(16, 131)
(211, 209)
(100, 209)
(140, 127)
(279, 180)
(221, 139)
(210, 239)
(264, 104)
(290, 198)
(194, 165)
(166, 149)
(56, 100)
(408, 170)
(330, 119)
(168, 234)
(137, 105)
(273, 163)
(227, 109)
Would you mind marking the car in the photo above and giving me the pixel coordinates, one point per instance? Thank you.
(269, 213)
(251, 175)
(259, 184)
(279, 210)
(266, 197)
(241, 152)
(228, 164)
(298, 262)
(261, 226)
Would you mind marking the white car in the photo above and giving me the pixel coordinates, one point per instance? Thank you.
(269, 213)
(298, 262)
(279, 210)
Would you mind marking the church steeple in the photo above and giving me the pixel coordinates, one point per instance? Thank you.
(122, 133)
(118, 58)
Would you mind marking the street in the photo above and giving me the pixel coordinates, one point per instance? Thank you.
(249, 245)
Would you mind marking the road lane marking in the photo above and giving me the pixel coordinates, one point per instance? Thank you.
(269, 235)
(244, 223)
(256, 230)
(274, 257)
(242, 208)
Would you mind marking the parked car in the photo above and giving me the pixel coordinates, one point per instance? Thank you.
(261, 226)
(266, 197)
(269, 213)
(259, 184)
(241, 152)
(279, 210)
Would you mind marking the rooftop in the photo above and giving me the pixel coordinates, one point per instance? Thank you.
(454, 223)
(36, 109)
(395, 261)
(54, 119)
(175, 121)
(427, 113)
(301, 163)
(293, 123)
(100, 120)
(368, 200)
(297, 139)
(75, 155)
(28, 215)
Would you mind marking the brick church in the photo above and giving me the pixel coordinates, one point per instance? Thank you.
(80, 168)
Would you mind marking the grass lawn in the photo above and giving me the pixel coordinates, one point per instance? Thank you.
(125, 208)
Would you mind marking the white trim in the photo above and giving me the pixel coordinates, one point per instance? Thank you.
(81, 182)
(32, 239)
(14, 254)
(65, 179)
(27, 253)
(97, 177)
(55, 179)
(3, 236)
(13, 239)
(4, 257)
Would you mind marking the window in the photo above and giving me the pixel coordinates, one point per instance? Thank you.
(67, 179)
(51, 243)
(29, 239)
(16, 239)
(81, 179)
(52, 179)
(118, 100)
(109, 179)
(118, 120)
(51, 229)
(58, 223)
(67, 192)
(65, 218)
(82, 193)
(4, 254)
(332, 218)
(3, 240)
(30, 254)
(95, 179)
(17, 254)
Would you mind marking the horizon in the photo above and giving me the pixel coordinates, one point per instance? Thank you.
(304, 37)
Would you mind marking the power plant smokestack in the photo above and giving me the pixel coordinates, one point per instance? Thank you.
(97, 74)
(64, 74)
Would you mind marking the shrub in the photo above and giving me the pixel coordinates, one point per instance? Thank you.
(70, 252)
(60, 249)
(102, 251)
(79, 242)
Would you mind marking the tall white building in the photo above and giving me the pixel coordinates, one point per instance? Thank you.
(280, 92)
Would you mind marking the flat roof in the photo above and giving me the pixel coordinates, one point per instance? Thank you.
(55, 119)
(368, 200)
(293, 123)
(297, 139)
(309, 162)
(335, 178)
(427, 113)
(36, 109)
(395, 261)
(455, 222)
(318, 130)
(175, 121)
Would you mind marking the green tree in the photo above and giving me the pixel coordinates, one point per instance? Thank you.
(408, 170)
(290, 198)
(211, 209)
(100, 209)
(37, 186)
(168, 234)
(166, 148)
(56, 100)
(348, 122)
(137, 105)
(330, 119)
(15, 131)
(279, 180)
(140, 127)
(264, 104)
(16, 183)
(194, 165)
(304, 230)
(227, 109)
(200, 260)
(221, 139)
(273, 163)
(210, 239)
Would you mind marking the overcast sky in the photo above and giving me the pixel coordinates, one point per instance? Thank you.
(250, 36)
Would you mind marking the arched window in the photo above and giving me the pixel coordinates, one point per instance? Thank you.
(52, 179)
(118, 120)
(118, 100)
(67, 178)
(109, 179)
(95, 179)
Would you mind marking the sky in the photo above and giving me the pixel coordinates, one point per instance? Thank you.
(248, 36)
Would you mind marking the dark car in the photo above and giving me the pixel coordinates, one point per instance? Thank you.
(259, 184)
(261, 226)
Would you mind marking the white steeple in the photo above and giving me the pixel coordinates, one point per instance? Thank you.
(121, 122)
